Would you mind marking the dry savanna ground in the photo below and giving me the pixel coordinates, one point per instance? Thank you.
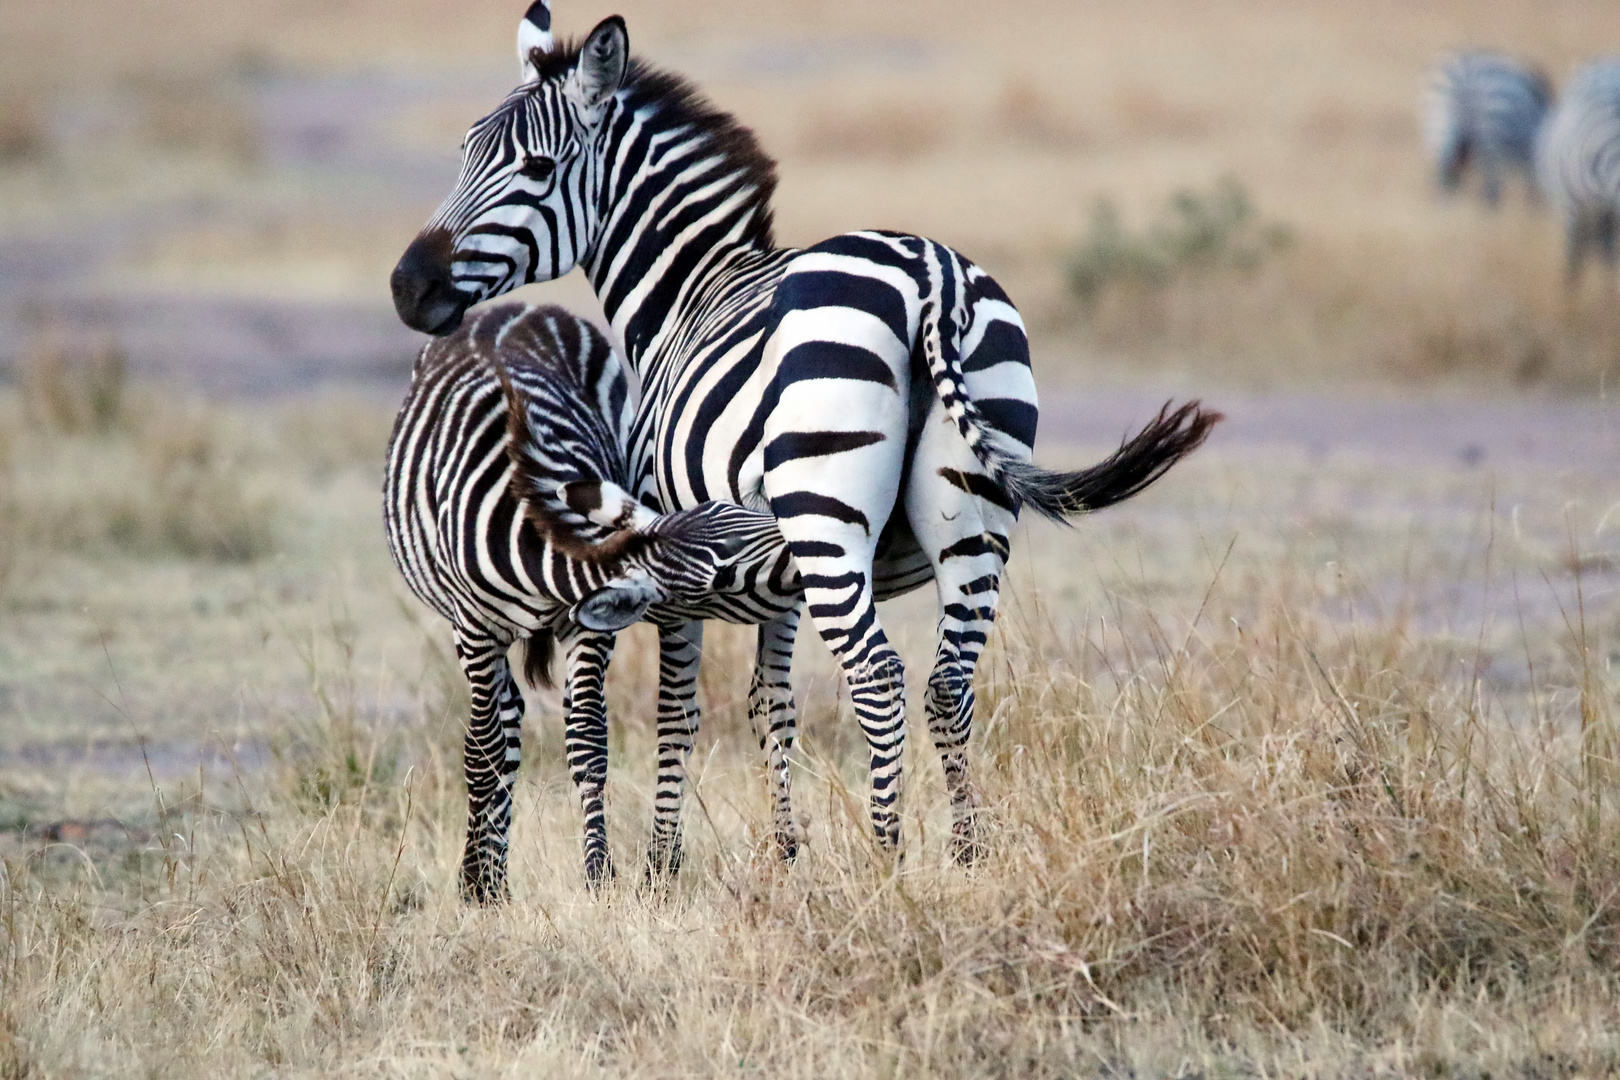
(1301, 764)
(1293, 768)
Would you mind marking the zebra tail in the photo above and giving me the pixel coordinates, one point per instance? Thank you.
(538, 649)
(1139, 461)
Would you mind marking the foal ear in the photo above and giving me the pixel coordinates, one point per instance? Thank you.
(534, 32)
(603, 60)
(617, 604)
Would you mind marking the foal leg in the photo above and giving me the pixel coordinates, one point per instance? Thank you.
(680, 651)
(775, 721)
(491, 753)
(585, 744)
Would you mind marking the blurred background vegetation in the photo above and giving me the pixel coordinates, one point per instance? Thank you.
(226, 194)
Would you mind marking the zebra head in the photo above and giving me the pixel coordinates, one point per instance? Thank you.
(524, 207)
(687, 556)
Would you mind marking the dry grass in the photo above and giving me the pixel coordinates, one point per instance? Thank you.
(197, 116)
(1232, 829)
(1271, 850)
(23, 134)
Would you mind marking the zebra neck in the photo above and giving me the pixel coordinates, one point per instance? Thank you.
(685, 220)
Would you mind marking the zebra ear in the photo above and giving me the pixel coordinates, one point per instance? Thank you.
(617, 604)
(602, 61)
(534, 32)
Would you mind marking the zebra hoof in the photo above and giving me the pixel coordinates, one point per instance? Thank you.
(598, 870)
(965, 846)
(663, 861)
(483, 889)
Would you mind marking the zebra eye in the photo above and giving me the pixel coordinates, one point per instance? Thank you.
(538, 167)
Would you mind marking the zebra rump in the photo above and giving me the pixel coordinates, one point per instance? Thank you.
(1483, 110)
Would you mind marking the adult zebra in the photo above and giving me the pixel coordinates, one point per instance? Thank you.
(1578, 162)
(505, 514)
(1483, 110)
(872, 391)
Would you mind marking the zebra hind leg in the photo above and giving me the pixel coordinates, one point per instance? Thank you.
(962, 522)
(962, 632)
(1578, 235)
(774, 718)
(585, 745)
(490, 756)
(1607, 223)
(680, 651)
(835, 564)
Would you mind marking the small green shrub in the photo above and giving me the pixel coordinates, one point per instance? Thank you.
(1198, 233)
(73, 384)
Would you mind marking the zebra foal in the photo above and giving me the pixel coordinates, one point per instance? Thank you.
(1482, 110)
(505, 512)
(1578, 163)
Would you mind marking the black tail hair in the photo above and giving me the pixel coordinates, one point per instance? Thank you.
(538, 648)
(1139, 461)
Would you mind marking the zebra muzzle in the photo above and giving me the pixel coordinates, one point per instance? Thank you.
(425, 294)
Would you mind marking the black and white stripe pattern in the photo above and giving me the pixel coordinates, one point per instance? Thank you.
(1578, 162)
(1482, 111)
(506, 514)
(873, 391)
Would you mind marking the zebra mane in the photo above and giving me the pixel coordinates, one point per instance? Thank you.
(559, 60)
(678, 103)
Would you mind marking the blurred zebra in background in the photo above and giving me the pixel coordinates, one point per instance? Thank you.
(1483, 110)
(1578, 164)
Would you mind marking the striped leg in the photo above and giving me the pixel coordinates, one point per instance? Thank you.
(490, 756)
(585, 744)
(962, 522)
(834, 449)
(680, 650)
(775, 721)
(835, 565)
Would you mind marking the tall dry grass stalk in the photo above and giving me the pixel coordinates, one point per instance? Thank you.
(1260, 844)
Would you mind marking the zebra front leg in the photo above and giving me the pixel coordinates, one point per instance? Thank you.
(1491, 178)
(490, 756)
(680, 651)
(772, 713)
(585, 744)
